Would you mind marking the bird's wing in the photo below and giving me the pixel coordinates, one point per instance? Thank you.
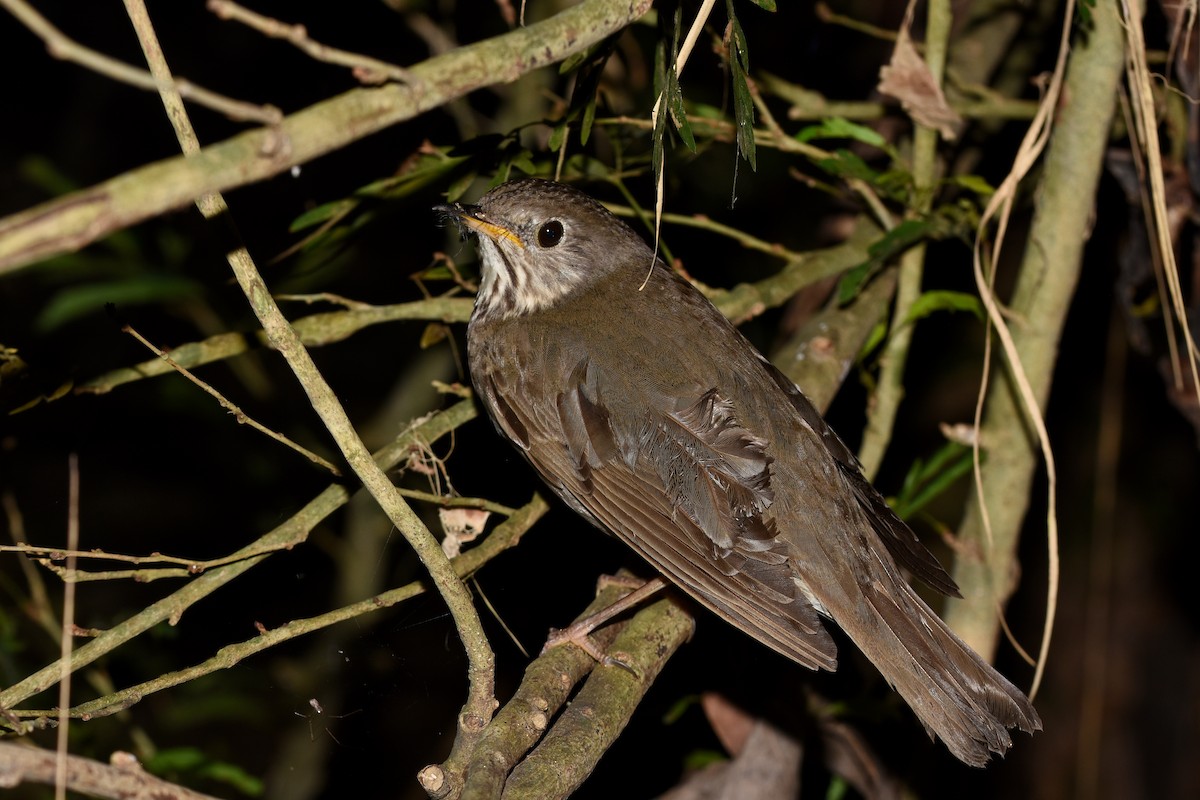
(687, 490)
(899, 539)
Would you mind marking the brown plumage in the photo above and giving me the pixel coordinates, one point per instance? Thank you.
(651, 416)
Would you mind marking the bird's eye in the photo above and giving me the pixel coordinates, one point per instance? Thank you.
(550, 233)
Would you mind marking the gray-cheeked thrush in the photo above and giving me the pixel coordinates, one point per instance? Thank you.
(655, 419)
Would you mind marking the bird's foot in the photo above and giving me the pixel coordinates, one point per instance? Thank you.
(579, 633)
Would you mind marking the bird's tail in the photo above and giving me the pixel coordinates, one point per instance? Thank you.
(958, 696)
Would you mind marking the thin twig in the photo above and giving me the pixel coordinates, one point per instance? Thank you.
(290, 533)
(238, 414)
(60, 46)
(189, 567)
(881, 413)
(708, 224)
(325, 297)
(1145, 134)
(38, 606)
(67, 634)
(505, 535)
(366, 69)
(480, 659)
(828, 16)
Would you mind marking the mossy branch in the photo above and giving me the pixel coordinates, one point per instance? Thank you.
(1049, 272)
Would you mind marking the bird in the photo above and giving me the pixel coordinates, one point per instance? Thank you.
(649, 414)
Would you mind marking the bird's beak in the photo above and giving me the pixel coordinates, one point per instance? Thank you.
(469, 218)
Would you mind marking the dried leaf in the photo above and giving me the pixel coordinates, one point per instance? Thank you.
(434, 332)
(766, 762)
(908, 79)
(730, 723)
(461, 525)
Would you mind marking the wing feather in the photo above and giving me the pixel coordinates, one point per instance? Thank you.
(895, 534)
(688, 490)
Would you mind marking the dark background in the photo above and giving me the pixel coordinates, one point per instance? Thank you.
(163, 468)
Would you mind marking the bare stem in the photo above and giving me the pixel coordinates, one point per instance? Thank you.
(881, 414)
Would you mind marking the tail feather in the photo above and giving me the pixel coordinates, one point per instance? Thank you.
(958, 696)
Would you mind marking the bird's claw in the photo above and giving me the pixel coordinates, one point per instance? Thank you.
(579, 635)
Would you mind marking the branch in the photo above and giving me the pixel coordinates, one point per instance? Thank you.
(598, 714)
(818, 356)
(19, 763)
(1046, 283)
(59, 46)
(547, 685)
(881, 413)
(585, 730)
(71, 222)
(314, 330)
(741, 302)
(505, 535)
(367, 70)
(290, 533)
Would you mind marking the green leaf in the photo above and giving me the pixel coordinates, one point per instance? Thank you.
(572, 63)
(766, 5)
(43, 173)
(79, 301)
(678, 113)
(662, 79)
(556, 137)
(321, 214)
(706, 111)
(234, 776)
(437, 273)
(434, 332)
(877, 334)
(975, 184)
(459, 185)
(837, 788)
(428, 168)
(854, 280)
(743, 101)
(524, 162)
(925, 482)
(845, 164)
(700, 758)
(899, 238)
(680, 707)
(175, 759)
(840, 128)
(589, 116)
(895, 241)
(192, 761)
(943, 300)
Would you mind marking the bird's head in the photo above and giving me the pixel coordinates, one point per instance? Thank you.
(541, 241)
